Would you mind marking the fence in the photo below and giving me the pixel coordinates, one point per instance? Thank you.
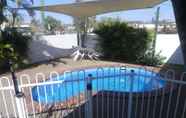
(108, 92)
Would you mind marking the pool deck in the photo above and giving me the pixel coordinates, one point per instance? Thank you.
(64, 64)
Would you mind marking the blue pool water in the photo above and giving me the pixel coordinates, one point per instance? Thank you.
(108, 79)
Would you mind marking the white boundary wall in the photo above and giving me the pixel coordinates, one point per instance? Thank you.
(54, 46)
(169, 45)
(48, 47)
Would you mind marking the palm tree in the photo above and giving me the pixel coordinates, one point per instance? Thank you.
(20, 3)
(179, 11)
(82, 26)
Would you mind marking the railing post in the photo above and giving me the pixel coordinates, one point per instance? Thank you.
(88, 105)
(18, 94)
(20, 105)
(129, 114)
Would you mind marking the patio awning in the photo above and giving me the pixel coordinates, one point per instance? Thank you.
(93, 8)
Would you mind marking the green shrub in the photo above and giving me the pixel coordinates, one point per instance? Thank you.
(14, 46)
(150, 60)
(118, 41)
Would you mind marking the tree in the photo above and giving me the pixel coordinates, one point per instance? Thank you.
(83, 25)
(4, 8)
(180, 16)
(36, 26)
(13, 44)
(119, 41)
(51, 24)
(81, 28)
(15, 21)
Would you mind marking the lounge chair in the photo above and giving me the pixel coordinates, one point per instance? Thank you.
(84, 53)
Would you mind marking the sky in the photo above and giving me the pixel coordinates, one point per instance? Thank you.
(145, 15)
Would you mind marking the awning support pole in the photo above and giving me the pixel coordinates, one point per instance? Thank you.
(156, 31)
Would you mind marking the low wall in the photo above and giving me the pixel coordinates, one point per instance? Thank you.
(47, 47)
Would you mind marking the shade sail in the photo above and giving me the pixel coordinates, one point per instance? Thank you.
(93, 8)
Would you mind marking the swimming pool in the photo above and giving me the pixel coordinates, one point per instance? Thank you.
(116, 79)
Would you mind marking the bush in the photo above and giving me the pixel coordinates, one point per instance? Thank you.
(120, 41)
(150, 60)
(14, 46)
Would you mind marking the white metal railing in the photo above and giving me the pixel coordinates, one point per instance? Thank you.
(94, 96)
